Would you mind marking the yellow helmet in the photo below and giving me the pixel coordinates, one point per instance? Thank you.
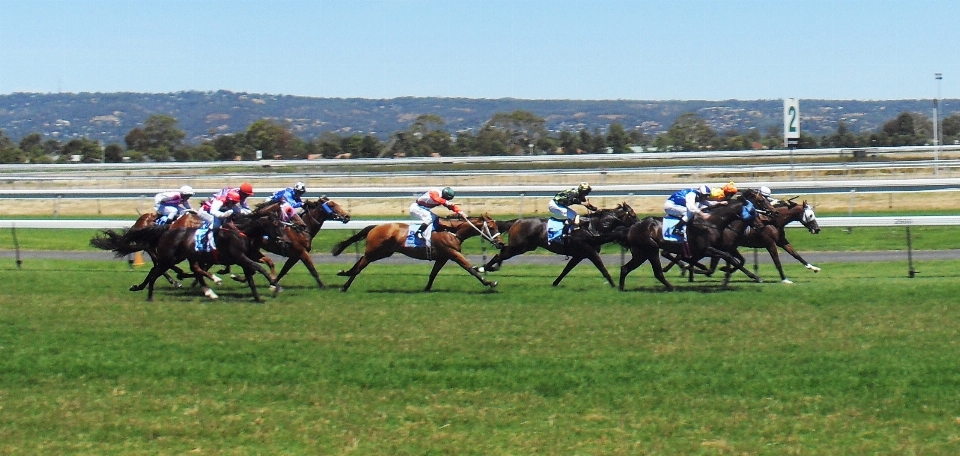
(584, 187)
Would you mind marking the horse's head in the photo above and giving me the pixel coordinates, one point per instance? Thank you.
(326, 209)
(809, 219)
(484, 226)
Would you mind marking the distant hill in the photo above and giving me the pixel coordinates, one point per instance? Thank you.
(109, 116)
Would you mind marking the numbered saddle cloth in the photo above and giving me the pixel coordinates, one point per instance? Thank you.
(203, 239)
(670, 232)
(554, 230)
(414, 241)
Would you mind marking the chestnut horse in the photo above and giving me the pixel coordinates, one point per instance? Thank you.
(385, 240)
(600, 227)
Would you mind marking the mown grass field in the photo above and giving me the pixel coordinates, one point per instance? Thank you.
(857, 359)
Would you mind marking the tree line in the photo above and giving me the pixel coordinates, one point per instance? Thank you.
(516, 133)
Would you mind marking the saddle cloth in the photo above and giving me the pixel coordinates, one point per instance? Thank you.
(203, 239)
(414, 241)
(669, 223)
(554, 230)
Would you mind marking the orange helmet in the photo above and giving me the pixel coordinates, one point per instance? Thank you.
(233, 196)
(730, 189)
(246, 189)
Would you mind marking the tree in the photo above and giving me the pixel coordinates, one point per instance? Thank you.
(690, 132)
(89, 151)
(30, 142)
(569, 142)
(113, 153)
(951, 128)
(271, 138)
(617, 137)
(519, 129)
(136, 139)
(162, 132)
(371, 147)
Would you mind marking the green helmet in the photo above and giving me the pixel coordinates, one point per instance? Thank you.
(447, 193)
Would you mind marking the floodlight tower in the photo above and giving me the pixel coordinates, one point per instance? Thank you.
(936, 125)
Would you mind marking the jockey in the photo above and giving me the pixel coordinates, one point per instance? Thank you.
(686, 203)
(219, 208)
(170, 205)
(764, 191)
(245, 190)
(720, 195)
(429, 200)
(289, 199)
(560, 203)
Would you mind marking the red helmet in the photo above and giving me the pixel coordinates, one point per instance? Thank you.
(233, 196)
(246, 189)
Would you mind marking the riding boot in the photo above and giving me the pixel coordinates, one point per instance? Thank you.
(567, 228)
(419, 233)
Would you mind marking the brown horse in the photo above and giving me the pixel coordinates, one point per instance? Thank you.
(298, 235)
(234, 242)
(705, 238)
(109, 238)
(603, 226)
(772, 234)
(385, 240)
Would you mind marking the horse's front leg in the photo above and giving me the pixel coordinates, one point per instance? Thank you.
(458, 258)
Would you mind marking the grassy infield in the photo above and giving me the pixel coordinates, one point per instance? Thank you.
(856, 359)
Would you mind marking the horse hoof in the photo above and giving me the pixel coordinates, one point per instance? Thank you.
(342, 273)
(134, 288)
(217, 280)
(479, 269)
(177, 285)
(493, 284)
(210, 294)
(786, 281)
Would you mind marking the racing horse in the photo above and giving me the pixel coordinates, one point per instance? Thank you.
(108, 239)
(772, 234)
(384, 240)
(298, 239)
(234, 240)
(705, 237)
(600, 227)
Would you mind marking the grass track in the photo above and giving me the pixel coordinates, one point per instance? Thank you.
(856, 359)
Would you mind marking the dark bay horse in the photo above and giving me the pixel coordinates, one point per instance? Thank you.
(772, 234)
(705, 238)
(298, 237)
(384, 240)
(234, 242)
(600, 227)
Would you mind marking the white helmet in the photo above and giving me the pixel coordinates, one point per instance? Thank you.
(704, 190)
(186, 190)
(764, 191)
(300, 187)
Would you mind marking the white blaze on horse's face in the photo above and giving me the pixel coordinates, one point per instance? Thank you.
(809, 219)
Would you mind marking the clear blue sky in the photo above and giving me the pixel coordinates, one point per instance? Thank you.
(542, 49)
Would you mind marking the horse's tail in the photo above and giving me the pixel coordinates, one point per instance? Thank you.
(338, 249)
(129, 241)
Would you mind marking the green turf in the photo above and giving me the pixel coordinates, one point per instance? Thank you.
(858, 359)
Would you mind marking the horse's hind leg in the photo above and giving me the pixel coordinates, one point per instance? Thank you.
(437, 266)
(353, 272)
(569, 267)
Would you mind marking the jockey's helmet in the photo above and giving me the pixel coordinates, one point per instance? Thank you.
(764, 191)
(704, 190)
(233, 196)
(186, 190)
(447, 193)
(300, 187)
(584, 188)
(730, 189)
(246, 189)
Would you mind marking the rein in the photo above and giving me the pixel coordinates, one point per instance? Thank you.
(485, 233)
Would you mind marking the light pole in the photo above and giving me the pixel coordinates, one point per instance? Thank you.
(936, 125)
